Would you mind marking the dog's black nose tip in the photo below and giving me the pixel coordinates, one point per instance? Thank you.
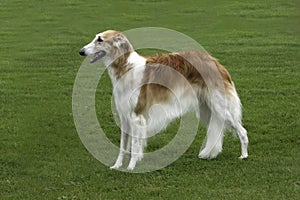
(82, 52)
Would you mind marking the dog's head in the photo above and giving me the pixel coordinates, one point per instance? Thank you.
(109, 44)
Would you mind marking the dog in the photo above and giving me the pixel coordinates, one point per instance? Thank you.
(150, 92)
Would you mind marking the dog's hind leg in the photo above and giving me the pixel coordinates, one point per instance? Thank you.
(138, 138)
(215, 127)
(235, 122)
(204, 114)
(214, 138)
(242, 134)
(125, 138)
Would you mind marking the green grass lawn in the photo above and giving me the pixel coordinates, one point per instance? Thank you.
(41, 155)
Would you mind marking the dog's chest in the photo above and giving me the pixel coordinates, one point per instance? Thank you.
(126, 90)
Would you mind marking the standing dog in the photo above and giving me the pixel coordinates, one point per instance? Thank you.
(150, 92)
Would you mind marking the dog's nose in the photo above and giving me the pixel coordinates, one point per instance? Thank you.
(82, 52)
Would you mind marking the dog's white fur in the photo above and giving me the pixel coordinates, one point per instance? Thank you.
(218, 107)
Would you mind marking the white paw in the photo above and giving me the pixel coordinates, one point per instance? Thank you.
(243, 157)
(116, 166)
(130, 168)
(203, 155)
(131, 165)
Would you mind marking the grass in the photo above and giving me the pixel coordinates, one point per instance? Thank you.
(41, 155)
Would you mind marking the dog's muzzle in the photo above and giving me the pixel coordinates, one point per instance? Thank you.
(96, 56)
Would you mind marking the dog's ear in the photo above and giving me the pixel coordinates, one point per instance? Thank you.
(121, 43)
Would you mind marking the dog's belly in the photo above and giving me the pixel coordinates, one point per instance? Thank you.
(161, 114)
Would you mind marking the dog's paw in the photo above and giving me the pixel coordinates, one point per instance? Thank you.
(132, 164)
(204, 154)
(208, 154)
(116, 166)
(243, 157)
(130, 168)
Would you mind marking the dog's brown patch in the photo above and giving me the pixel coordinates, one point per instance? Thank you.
(109, 34)
(199, 69)
(120, 65)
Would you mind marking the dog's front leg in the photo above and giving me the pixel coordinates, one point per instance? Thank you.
(137, 140)
(119, 160)
(124, 140)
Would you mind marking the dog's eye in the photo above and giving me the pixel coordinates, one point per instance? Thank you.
(99, 39)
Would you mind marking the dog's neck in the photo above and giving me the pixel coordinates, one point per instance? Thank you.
(123, 64)
(120, 65)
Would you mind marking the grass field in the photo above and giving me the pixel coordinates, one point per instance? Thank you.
(41, 155)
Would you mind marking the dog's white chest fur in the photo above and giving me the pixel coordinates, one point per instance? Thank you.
(127, 88)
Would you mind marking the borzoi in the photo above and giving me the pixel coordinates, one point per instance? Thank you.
(171, 81)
